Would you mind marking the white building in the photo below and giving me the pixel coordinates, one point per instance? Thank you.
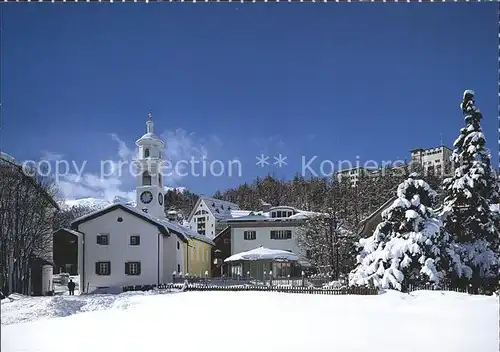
(207, 214)
(352, 175)
(276, 228)
(437, 159)
(122, 244)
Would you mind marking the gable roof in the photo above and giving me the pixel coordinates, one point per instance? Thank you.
(187, 232)
(66, 230)
(164, 226)
(11, 161)
(220, 209)
(377, 212)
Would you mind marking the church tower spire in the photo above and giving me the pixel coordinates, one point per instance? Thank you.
(149, 189)
(150, 124)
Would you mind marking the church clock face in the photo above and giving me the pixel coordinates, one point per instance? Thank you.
(146, 197)
(160, 198)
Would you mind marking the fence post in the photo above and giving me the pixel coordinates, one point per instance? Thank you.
(303, 283)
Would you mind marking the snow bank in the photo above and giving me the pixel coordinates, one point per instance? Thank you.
(21, 309)
(391, 322)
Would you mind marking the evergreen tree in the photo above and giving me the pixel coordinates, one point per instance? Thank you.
(406, 246)
(466, 212)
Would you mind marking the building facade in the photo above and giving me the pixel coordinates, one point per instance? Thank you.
(208, 215)
(435, 159)
(120, 245)
(276, 229)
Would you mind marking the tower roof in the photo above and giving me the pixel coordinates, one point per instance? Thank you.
(150, 137)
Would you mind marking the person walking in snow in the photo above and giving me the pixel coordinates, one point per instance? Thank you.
(71, 287)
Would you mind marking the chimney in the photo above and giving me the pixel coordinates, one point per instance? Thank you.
(265, 207)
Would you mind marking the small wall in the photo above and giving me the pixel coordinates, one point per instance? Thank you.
(47, 277)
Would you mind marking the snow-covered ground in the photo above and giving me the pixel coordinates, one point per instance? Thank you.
(251, 321)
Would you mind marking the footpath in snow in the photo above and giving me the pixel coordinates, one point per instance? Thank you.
(252, 321)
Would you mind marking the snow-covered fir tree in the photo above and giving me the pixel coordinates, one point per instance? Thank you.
(406, 246)
(467, 213)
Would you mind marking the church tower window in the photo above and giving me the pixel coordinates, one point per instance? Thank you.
(146, 178)
(146, 153)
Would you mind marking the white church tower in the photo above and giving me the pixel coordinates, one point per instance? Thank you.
(149, 180)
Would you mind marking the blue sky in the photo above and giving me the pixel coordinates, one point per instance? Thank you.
(232, 81)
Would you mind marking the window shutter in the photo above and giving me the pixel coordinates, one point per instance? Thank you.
(126, 269)
(138, 268)
(97, 268)
(109, 268)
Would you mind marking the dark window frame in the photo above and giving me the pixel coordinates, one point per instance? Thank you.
(100, 237)
(250, 235)
(98, 268)
(129, 265)
(280, 234)
(135, 240)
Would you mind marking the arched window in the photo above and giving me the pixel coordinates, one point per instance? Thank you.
(146, 179)
(146, 153)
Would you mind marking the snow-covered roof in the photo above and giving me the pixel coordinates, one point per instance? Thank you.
(187, 232)
(220, 209)
(149, 137)
(263, 253)
(73, 232)
(182, 232)
(239, 213)
(266, 216)
(8, 158)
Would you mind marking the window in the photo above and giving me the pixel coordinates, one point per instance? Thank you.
(146, 178)
(281, 234)
(249, 235)
(146, 153)
(159, 180)
(135, 240)
(178, 268)
(159, 153)
(178, 245)
(133, 268)
(103, 268)
(120, 219)
(103, 239)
